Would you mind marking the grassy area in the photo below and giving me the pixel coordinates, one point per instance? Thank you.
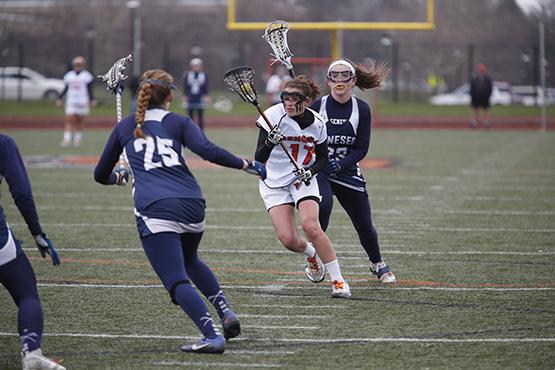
(385, 107)
(465, 219)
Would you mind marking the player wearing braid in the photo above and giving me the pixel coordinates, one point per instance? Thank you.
(169, 204)
(304, 133)
(348, 123)
(16, 273)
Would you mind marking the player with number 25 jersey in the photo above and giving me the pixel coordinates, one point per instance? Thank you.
(169, 203)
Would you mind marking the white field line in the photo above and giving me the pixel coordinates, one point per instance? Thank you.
(292, 305)
(301, 340)
(269, 327)
(340, 251)
(382, 213)
(190, 364)
(283, 287)
(418, 229)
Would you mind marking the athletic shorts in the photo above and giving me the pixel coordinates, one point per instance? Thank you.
(9, 251)
(288, 194)
(480, 103)
(77, 109)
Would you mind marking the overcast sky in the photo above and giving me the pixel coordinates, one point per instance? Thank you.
(527, 4)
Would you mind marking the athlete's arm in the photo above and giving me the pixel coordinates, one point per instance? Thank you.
(13, 170)
(263, 147)
(321, 152)
(363, 139)
(103, 173)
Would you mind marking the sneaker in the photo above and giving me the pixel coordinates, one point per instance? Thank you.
(36, 360)
(340, 289)
(65, 144)
(231, 325)
(206, 345)
(315, 270)
(383, 272)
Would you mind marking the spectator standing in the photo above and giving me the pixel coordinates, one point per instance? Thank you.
(480, 92)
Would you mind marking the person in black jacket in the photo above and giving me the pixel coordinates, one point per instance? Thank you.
(480, 93)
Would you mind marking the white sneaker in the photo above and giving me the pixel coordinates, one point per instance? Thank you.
(340, 289)
(383, 272)
(36, 360)
(315, 270)
(65, 144)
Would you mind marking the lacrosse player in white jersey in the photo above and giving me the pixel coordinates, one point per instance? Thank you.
(303, 133)
(79, 99)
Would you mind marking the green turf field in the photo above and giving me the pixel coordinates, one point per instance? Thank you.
(466, 220)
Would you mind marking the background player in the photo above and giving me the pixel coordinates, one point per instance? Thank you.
(169, 205)
(303, 131)
(195, 91)
(348, 122)
(16, 273)
(79, 99)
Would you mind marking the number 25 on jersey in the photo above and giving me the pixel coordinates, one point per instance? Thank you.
(162, 148)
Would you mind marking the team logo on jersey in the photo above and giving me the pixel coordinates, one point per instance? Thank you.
(301, 138)
(337, 121)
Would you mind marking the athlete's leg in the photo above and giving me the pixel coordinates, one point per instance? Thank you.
(200, 122)
(78, 130)
(326, 204)
(165, 254)
(357, 206)
(18, 277)
(283, 220)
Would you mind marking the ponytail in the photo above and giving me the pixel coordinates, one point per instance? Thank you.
(143, 98)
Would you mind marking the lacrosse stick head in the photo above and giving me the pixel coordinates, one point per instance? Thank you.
(241, 81)
(114, 77)
(276, 35)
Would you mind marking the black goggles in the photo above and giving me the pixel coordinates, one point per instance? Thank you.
(294, 97)
(340, 76)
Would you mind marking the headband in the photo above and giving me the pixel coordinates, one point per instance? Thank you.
(342, 62)
(162, 83)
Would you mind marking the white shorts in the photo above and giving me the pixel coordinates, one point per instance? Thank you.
(288, 194)
(77, 109)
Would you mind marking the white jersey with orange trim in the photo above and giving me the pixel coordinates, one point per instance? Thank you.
(300, 143)
(77, 88)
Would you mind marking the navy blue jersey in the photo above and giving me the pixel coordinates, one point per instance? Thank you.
(348, 126)
(13, 171)
(195, 86)
(158, 162)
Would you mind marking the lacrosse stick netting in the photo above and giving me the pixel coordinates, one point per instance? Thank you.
(114, 81)
(241, 81)
(276, 36)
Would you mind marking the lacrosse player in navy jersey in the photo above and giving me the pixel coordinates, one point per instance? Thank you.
(16, 273)
(169, 204)
(303, 132)
(348, 123)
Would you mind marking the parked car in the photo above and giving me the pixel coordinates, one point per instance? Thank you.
(34, 86)
(501, 95)
(529, 95)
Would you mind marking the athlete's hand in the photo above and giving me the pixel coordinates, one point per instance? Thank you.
(303, 174)
(45, 247)
(275, 136)
(122, 174)
(255, 168)
(333, 168)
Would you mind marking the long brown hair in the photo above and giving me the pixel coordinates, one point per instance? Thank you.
(369, 76)
(306, 86)
(150, 94)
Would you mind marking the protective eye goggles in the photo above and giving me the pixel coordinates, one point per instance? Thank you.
(294, 97)
(340, 76)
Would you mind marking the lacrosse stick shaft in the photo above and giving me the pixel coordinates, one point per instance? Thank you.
(118, 107)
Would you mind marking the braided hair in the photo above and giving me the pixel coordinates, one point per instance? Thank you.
(154, 88)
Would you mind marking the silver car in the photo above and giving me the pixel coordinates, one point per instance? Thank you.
(31, 84)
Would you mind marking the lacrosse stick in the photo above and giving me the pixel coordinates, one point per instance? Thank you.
(276, 35)
(114, 80)
(241, 81)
